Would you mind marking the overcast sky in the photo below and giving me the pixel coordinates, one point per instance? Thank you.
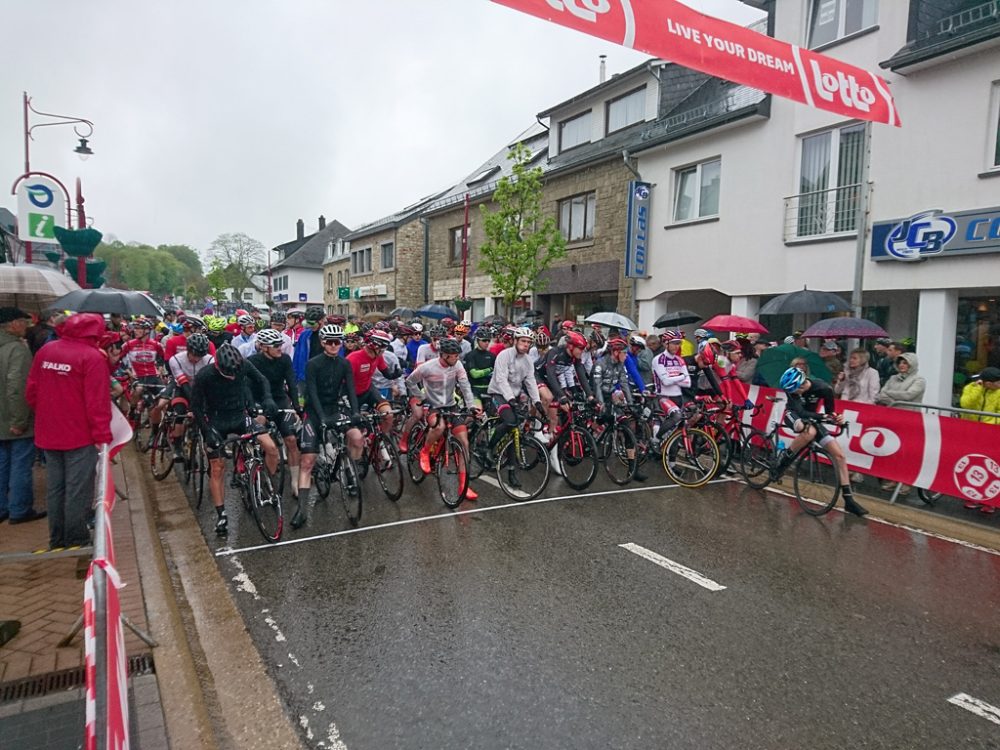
(222, 116)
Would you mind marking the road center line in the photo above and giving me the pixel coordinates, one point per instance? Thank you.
(225, 552)
(673, 567)
(976, 706)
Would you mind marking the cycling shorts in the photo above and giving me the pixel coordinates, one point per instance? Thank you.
(221, 428)
(372, 399)
(287, 423)
(822, 436)
(310, 433)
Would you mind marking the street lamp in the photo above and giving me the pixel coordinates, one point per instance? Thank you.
(82, 127)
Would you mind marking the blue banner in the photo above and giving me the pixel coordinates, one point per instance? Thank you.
(936, 234)
(637, 230)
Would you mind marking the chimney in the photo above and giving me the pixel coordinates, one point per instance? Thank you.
(604, 74)
(322, 222)
(300, 229)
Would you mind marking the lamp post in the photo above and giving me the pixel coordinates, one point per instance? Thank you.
(83, 149)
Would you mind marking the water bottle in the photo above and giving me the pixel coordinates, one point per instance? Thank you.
(781, 446)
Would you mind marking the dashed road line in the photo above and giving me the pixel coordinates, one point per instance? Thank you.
(974, 705)
(673, 567)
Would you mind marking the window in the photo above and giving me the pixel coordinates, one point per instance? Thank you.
(697, 191)
(574, 132)
(455, 245)
(340, 278)
(626, 110)
(995, 127)
(248, 296)
(830, 20)
(280, 283)
(329, 281)
(830, 181)
(388, 255)
(361, 261)
(576, 217)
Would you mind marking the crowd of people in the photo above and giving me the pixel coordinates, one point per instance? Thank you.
(307, 369)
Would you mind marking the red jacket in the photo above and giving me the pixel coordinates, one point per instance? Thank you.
(68, 387)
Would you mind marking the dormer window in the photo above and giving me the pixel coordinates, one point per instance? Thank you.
(483, 176)
(574, 132)
(625, 110)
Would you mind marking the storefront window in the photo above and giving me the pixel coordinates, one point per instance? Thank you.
(579, 306)
(977, 340)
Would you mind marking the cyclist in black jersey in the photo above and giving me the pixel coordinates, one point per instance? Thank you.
(328, 382)
(561, 372)
(276, 368)
(222, 401)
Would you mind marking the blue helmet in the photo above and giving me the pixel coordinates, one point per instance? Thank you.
(792, 379)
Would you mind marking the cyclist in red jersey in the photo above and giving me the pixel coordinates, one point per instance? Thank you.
(364, 362)
(141, 355)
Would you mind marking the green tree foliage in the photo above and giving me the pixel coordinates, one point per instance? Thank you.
(217, 281)
(241, 256)
(520, 242)
(167, 269)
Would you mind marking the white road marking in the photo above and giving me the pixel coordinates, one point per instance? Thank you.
(488, 479)
(976, 706)
(673, 567)
(225, 552)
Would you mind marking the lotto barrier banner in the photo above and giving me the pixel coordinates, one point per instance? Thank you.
(946, 454)
(672, 31)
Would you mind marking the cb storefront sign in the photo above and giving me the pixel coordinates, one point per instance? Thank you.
(935, 234)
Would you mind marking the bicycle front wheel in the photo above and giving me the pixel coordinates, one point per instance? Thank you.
(278, 479)
(617, 442)
(578, 457)
(817, 481)
(200, 460)
(523, 470)
(349, 480)
(725, 443)
(450, 469)
(388, 468)
(691, 457)
(414, 446)
(161, 457)
(479, 442)
(265, 503)
(756, 455)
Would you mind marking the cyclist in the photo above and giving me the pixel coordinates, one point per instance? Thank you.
(246, 339)
(430, 350)
(328, 382)
(189, 324)
(307, 345)
(413, 345)
(560, 373)
(276, 367)
(543, 340)
(222, 402)
(461, 331)
(672, 380)
(365, 362)
(613, 384)
(217, 333)
(513, 373)
(278, 323)
(183, 367)
(434, 383)
(142, 356)
(804, 398)
(479, 364)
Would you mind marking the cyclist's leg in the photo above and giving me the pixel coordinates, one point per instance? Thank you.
(309, 437)
(508, 420)
(836, 452)
(271, 456)
(355, 443)
(287, 430)
(416, 414)
(461, 432)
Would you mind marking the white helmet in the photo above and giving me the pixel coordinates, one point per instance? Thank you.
(270, 337)
(418, 327)
(522, 333)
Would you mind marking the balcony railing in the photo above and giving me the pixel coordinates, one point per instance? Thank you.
(958, 22)
(822, 213)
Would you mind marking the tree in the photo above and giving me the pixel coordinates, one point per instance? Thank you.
(217, 281)
(520, 243)
(242, 258)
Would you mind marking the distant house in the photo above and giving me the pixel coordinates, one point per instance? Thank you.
(297, 274)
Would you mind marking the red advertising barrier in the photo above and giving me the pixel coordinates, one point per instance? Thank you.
(945, 454)
(672, 31)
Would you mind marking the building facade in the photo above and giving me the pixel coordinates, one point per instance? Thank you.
(297, 277)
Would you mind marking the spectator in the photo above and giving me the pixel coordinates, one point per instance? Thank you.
(906, 386)
(881, 351)
(68, 389)
(983, 394)
(17, 447)
(859, 382)
(829, 352)
(887, 365)
(654, 348)
(44, 331)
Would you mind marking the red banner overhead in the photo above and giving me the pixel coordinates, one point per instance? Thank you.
(672, 31)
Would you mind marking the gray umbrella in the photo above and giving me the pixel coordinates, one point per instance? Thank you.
(612, 320)
(107, 300)
(806, 301)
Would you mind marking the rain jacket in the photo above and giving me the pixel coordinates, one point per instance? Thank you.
(899, 387)
(15, 362)
(859, 384)
(979, 398)
(68, 387)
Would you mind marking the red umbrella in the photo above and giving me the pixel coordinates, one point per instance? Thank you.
(733, 324)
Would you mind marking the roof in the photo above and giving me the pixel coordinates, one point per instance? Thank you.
(310, 251)
(393, 220)
(939, 28)
(615, 80)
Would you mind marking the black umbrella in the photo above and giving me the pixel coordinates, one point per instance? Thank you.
(677, 318)
(805, 301)
(106, 300)
(844, 328)
(403, 312)
(438, 312)
(532, 314)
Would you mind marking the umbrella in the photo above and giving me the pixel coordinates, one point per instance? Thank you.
(844, 328)
(403, 312)
(106, 300)
(438, 312)
(806, 301)
(611, 320)
(676, 318)
(532, 314)
(32, 288)
(494, 320)
(734, 324)
(374, 316)
(775, 360)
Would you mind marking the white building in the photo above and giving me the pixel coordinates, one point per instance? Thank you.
(297, 274)
(770, 205)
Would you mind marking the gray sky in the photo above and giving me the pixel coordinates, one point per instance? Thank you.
(223, 116)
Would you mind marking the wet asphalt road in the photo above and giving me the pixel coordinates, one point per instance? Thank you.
(531, 627)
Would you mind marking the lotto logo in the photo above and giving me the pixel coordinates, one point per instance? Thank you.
(851, 93)
(586, 10)
(977, 477)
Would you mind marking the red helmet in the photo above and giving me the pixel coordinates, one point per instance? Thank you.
(378, 337)
(576, 339)
(567, 325)
(617, 344)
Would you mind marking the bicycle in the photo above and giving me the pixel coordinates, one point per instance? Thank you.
(138, 415)
(333, 464)
(382, 456)
(615, 440)
(281, 475)
(253, 480)
(161, 454)
(690, 456)
(195, 462)
(576, 449)
(521, 463)
(449, 459)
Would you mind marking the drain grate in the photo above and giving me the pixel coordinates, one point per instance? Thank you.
(66, 679)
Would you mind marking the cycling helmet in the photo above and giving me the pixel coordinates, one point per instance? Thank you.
(331, 331)
(675, 335)
(278, 316)
(228, 360)
(142, 323)
(109, 340)
(295, 314)
(270, 337)
(175, 327)
(193, 321)
(597, 338)
(378, 338)
(617, 344)
(522, 333)
(216, 324)
(240, 312)
(732, 345)
(448, 322)
(792, 379)
(701, 333)
(352, 338)
(315, 314)
(383, 325)
(437, 331)
(542, 338)
(461, 329)
(245, 320)
(417, 327)
(484, 333)
(636, 340)
(197, 344)
(449, 346)
(576, 339)
(404, 330)
(337, 320)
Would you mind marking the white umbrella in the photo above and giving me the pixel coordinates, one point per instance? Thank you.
(32, 288)
(611, 320)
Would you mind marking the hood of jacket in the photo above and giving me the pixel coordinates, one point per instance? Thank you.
(85, 327)
(914, 362)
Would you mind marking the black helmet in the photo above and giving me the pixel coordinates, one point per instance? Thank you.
(484, 333)
(437, 331)
(278, 316)
(449, 346)
(315, 314)
(228, 359)
(197, 344)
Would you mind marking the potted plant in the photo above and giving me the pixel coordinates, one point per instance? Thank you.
(462, 303)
